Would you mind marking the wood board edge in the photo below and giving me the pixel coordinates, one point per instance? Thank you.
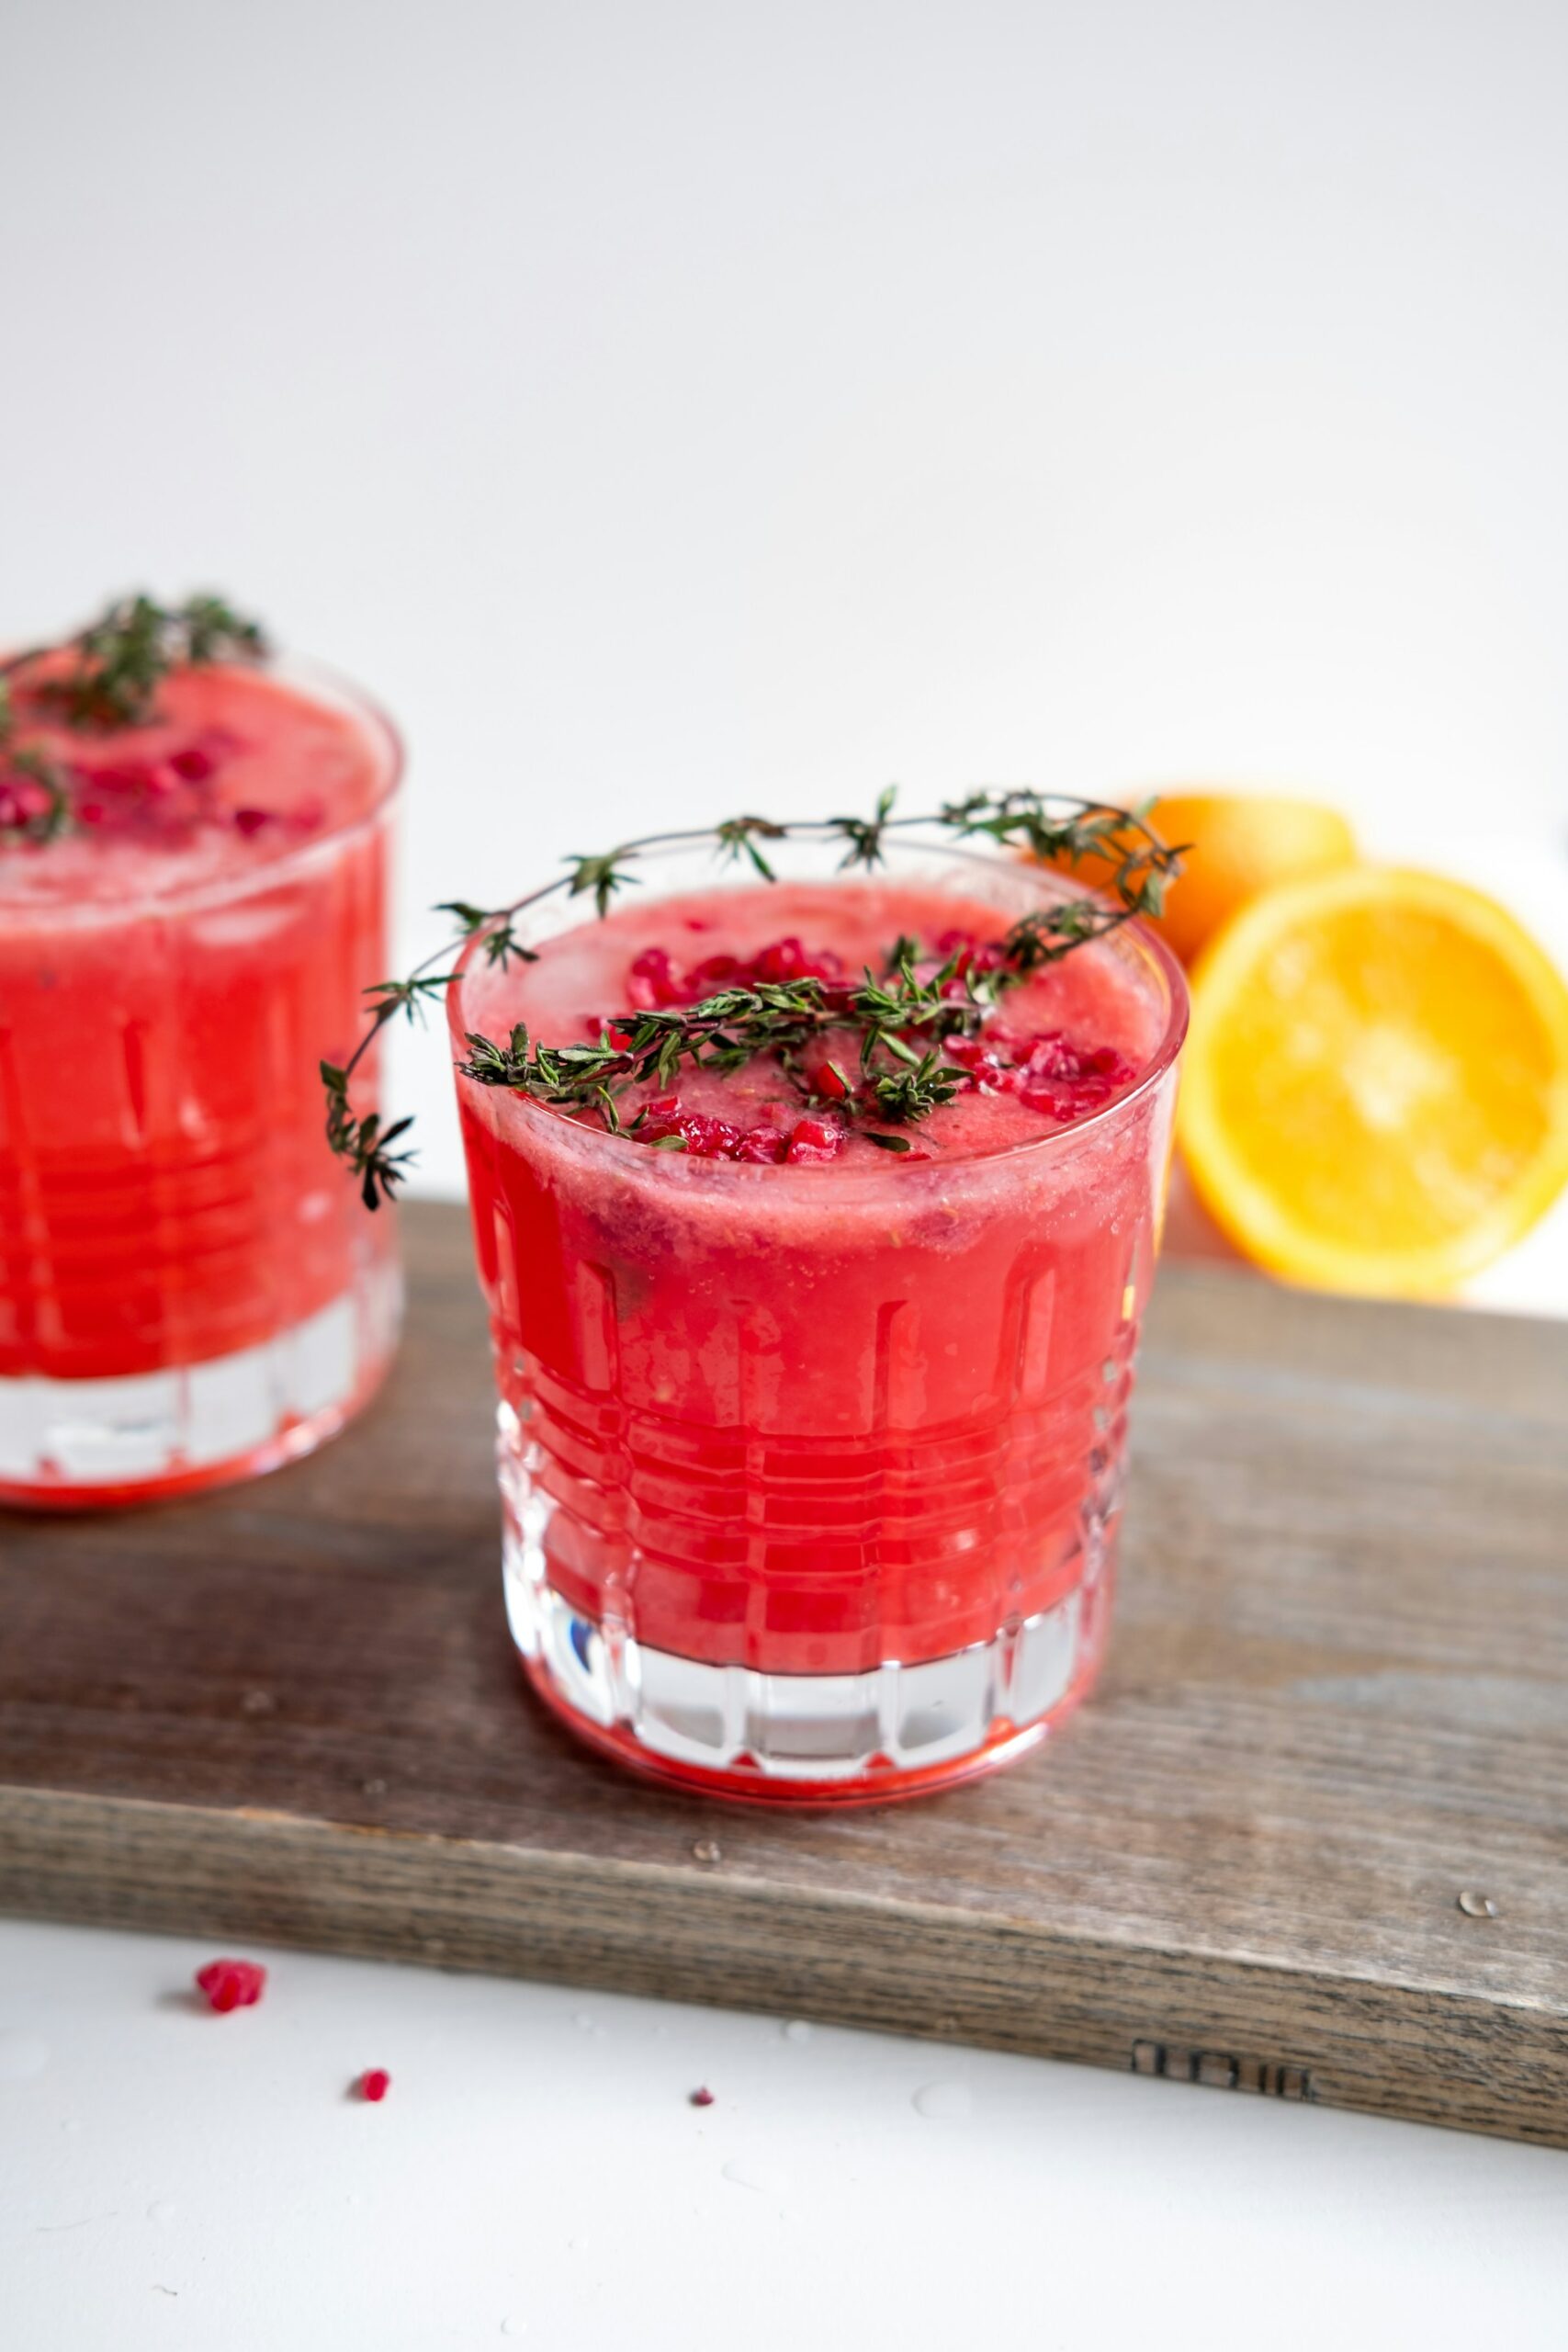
(735, 1941)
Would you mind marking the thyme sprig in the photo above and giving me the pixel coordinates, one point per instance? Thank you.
(118, 662)
(902, 1020)
(738, 838)
(899, 1081)
(364, 1144)
(122, 658)
(501, 942)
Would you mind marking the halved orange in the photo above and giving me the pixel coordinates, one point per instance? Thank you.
(1375, 1091)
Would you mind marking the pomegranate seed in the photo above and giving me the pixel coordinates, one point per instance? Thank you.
(653, 982)
(1050, 1055)
(703, 2097)
(374, 2085)
(231, 1983)
(785, 960)
(830, 1080)
(250, 821)
(710, 1138)
(22, 800)
(193, 763)
(660, 1117)
(764, 1145)
(124, 776)
(813, 1142)
(718, 972)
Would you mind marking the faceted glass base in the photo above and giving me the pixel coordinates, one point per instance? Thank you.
(895, 1730)
(74, 1445)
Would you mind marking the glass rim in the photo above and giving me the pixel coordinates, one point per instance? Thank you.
(1051, 883)
(313, 678)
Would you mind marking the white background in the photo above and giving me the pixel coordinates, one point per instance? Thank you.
(673, 409)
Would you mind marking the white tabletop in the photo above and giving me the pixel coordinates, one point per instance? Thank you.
(689, 408)
(170, 2178)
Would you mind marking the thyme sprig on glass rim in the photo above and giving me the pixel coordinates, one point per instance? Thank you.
(900, 1019)
(120, 662)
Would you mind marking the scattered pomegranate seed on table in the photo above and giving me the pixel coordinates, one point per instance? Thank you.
(374, 2084)
(231, 1983)
(703, 2097)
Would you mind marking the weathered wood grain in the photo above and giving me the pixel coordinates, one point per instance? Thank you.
(1337, 1697)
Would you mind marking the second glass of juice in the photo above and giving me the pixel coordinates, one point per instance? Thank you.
(811, 1462)
(189, 1291)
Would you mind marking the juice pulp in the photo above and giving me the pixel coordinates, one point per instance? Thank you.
(769, 1431)
(172, 968)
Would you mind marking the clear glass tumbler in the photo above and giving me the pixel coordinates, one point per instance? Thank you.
(190, 1290)
(811, 1475)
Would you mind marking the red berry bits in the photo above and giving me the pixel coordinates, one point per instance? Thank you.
(1045, 1072)
(665, 1122)
(703, 2097)
(231, 1983)
(655, 981)
(374, 2085)
(163, 798)
(773, 1078)
(24, 801)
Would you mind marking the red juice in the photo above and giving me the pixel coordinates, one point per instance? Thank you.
(811, 1461)
(189, 1288)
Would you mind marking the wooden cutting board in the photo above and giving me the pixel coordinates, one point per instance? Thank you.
(1337, 1702)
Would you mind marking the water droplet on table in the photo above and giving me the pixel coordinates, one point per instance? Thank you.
(798, 2030)
(22, 2056)
(945, 2102)
(768, 2180)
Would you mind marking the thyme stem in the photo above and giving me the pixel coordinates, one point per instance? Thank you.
(900, 1083)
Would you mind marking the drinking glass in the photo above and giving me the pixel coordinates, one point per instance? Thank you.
(811, 1476)
(190, 1290)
